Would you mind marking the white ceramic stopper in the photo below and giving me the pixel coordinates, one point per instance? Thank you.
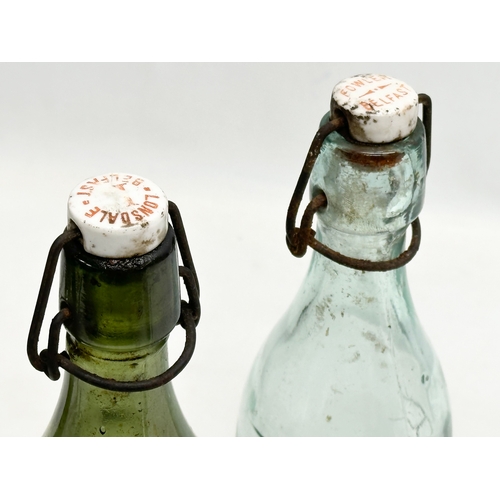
(378, 108)
(119, 215)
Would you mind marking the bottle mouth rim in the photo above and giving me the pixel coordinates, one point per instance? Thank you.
(123, 264)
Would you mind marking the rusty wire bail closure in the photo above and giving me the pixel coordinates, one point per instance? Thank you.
(299, 238)
(49, 360)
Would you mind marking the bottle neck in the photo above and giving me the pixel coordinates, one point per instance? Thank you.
(121, 304)
(122, 312)
(373, 193)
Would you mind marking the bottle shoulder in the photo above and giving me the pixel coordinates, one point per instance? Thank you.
(87, 410)
(340, 352)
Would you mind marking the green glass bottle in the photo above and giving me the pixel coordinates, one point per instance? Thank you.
(350, 357)
(120, 298)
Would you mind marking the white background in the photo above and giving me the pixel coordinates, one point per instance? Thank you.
(226, 142)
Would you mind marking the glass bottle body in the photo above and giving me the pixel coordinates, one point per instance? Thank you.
(121, 314)
(350, 357)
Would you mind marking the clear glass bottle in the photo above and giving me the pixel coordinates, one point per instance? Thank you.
(349, 357)
(119, 289)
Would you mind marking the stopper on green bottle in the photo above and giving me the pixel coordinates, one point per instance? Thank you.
(119, 215)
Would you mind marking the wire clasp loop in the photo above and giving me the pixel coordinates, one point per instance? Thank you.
(49, 360)
(299, 238)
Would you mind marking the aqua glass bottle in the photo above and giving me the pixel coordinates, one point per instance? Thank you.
(350, 357)
(119, 300)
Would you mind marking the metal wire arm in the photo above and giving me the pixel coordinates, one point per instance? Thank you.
(50, 360)
(299, 238)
